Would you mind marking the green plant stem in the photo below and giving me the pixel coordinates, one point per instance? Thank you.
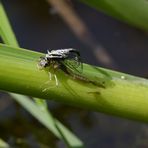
(122, 95)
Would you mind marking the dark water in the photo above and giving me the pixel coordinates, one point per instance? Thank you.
(38, 30)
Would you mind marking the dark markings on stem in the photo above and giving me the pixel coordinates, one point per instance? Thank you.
(94, 93)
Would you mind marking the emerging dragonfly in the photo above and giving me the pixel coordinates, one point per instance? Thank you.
(68, 60)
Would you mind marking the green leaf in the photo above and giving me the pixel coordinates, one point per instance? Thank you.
(6, 32)
(43, 115)
(134, 12)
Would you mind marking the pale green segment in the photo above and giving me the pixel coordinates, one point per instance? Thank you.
(124, 95)
(134, 12)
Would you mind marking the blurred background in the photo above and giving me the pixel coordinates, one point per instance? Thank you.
(102, 41)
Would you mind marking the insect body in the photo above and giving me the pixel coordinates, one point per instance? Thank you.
(58, 58)
(68, 60)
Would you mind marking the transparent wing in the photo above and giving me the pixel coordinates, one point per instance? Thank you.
(74, 63)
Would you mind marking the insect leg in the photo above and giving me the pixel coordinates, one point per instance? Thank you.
(50, 75)
(57, 83)
(55, 77)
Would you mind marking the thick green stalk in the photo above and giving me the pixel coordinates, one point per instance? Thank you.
(107, 91)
